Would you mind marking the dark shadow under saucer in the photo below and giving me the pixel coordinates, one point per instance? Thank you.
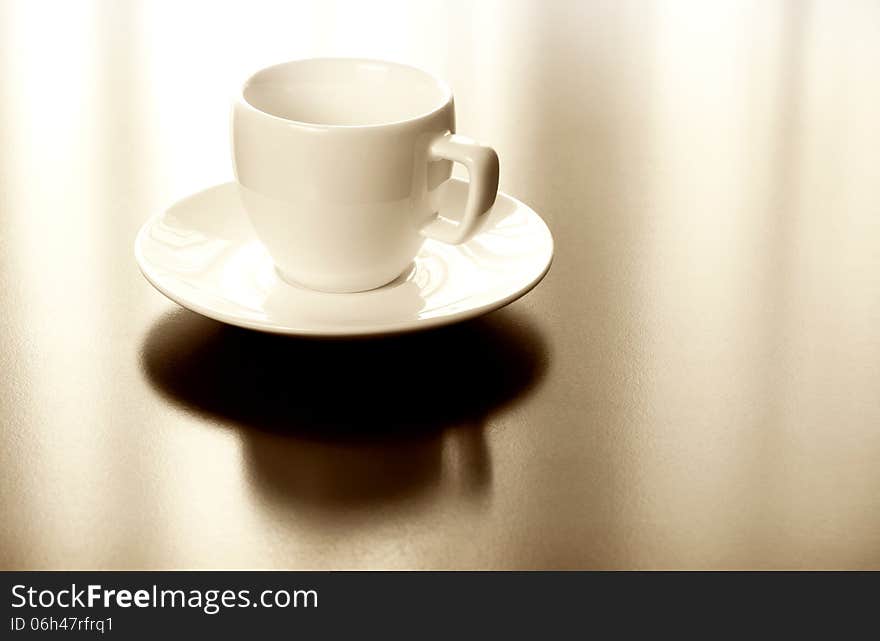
(344, 424)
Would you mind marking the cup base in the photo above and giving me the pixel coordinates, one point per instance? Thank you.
(293, 282)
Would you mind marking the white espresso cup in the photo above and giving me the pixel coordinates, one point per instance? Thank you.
(340, 163)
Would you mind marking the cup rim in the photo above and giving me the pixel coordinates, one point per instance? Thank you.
(441, 84)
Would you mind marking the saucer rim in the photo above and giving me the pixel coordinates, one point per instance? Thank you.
(377, 330)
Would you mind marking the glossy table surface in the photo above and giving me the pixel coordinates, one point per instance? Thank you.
(696, 384)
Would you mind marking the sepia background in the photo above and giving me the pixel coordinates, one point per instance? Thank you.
(696, 384)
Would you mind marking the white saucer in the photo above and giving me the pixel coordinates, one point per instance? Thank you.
(203, 254)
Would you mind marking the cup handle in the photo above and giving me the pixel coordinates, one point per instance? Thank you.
(482, 165)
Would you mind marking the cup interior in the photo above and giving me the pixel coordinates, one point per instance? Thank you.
(345, 92)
